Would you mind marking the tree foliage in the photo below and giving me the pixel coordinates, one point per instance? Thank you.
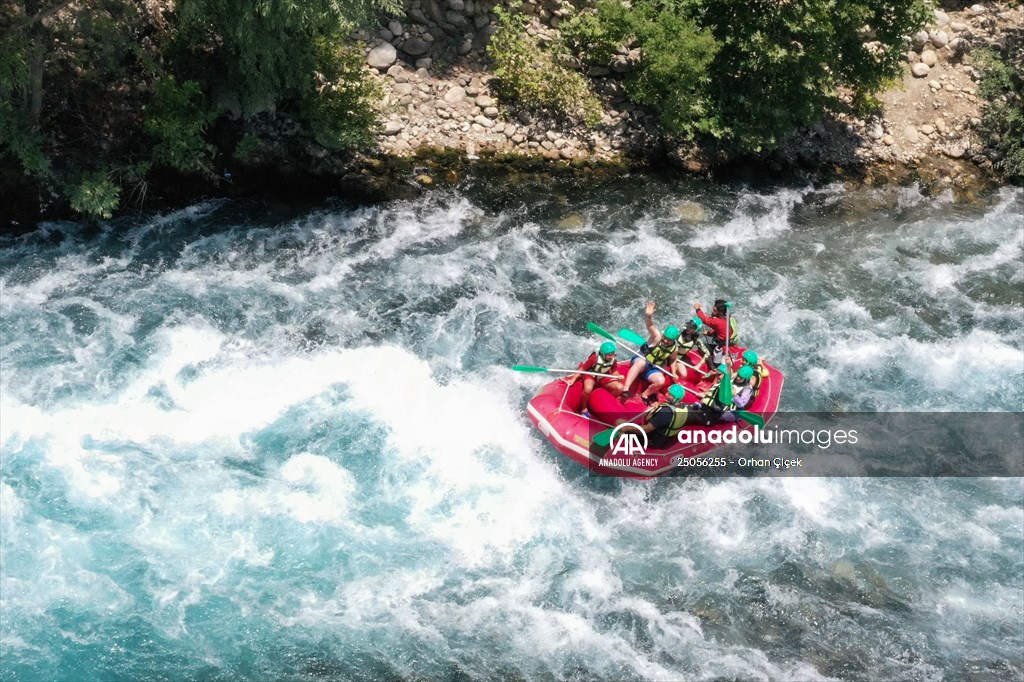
(748, 72)
(1002, 87)
(87, 88)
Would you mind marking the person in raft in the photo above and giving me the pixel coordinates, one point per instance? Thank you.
(717, 323)
(602, 362)
(689, 340)
(750, 359)
(714, 411)
(663, 421)
(660, 351)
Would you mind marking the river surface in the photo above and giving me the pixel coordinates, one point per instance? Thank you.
(244, 441)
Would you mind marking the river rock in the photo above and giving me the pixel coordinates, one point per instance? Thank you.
(938, 38)
(393, 127)
(415, 46)
(876, 132)
(573, 221)
(910, 132)
(926, 129)
(382, 56)
(919, 39)
(455, 95)
(398, 73)
(920, 70)
(941, 18)
(395, 27)
(957, 150)
(929, 57)
(484, 101)
(690, 212)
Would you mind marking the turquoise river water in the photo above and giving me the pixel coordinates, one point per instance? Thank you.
(245, 441)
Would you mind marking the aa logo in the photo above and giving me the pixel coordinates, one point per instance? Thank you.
(628, 440)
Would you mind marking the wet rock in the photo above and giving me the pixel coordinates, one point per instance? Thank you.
(573, 221)
(690, 212)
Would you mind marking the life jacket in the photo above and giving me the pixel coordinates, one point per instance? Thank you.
(710, 398)
(602, 367)
(685, 346)
(760, 374)
(679, 415)
(658, 355)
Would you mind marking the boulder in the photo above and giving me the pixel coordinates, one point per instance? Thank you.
(938, 38)
(382, 56)
(920, 70)
(415, 47)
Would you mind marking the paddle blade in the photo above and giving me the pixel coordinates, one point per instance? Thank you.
(528, 368)
(600, 332)
(725, 390)
(632, 337)
(603, 438)
(751, 418)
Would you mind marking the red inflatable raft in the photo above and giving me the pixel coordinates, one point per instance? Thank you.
(556, 411)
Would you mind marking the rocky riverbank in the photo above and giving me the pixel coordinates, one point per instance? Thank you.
(442, 117)
(440, 96)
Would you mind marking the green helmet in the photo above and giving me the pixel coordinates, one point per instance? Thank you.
(676, 392)
(750, 356)
(745, 372)
(606, 348)
(672, 332)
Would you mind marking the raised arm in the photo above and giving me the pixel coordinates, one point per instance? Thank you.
(653, 334)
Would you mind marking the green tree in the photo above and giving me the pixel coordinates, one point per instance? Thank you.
(1002, 87)
(749, 72)
(781, 64)
(264, 53)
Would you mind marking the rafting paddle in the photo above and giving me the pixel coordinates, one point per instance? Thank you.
(603, 438)
(530, 368)
(633, 337)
